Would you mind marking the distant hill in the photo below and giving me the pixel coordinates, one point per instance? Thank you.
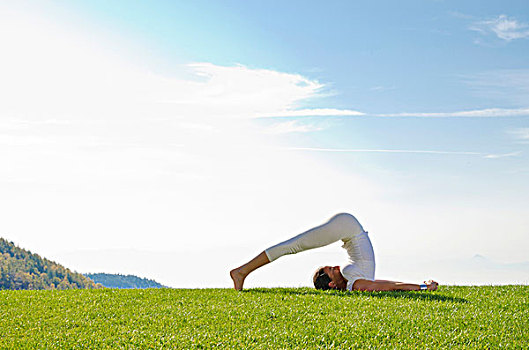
(484, 262)
(21, 269)
(123, 281)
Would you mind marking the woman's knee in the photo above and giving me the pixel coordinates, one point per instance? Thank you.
(346, 222)
(343, 217)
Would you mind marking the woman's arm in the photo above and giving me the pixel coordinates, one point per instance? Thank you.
(382, 285)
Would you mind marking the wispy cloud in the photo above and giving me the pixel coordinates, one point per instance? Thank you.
(476, 113)
(314, 112)
(520, 134)
(503, 27)
(23, 140)
(351, 150)
(502, 155)
(61, 75)
(382, 88)
(10, 125)
(293, 126)
(503, 85)
(396, 151)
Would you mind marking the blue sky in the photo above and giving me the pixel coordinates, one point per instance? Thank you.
(138, 126)
(365, 51)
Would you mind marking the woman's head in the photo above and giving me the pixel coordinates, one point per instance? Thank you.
(329, 277)
(321, 279)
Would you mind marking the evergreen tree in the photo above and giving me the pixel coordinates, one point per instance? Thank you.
(21, 269)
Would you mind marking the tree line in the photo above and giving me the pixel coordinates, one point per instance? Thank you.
(123, 281)
(21, 269)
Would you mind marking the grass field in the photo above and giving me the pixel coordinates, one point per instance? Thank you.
(482, 317)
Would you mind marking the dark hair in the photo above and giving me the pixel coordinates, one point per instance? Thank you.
(321, 280)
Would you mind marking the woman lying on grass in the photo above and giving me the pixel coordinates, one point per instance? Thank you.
(358, 274)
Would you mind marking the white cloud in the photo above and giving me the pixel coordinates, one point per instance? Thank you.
(502, 85)
(293, 126)
(23, 140)
(477, 113)
(15, 124)
(503, 155)
(246, 93)
(350, 150)
(503, 27)
(53, 74)
(382, 88)
(315, 112)
(521, 134)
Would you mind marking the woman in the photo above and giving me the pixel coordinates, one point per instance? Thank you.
(358, 274)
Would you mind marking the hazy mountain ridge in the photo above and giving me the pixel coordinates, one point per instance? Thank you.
(479, 260)
(120, 281)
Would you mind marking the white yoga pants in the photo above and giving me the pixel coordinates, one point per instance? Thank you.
(344, 227)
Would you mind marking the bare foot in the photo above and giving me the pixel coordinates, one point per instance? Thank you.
(238, 279)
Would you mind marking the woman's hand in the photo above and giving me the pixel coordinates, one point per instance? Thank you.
(432, 285)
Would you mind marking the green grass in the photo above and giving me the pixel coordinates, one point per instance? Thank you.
(459, 317)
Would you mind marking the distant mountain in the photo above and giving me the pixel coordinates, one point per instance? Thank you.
(21, 269)
(123, 281)
(484, 262)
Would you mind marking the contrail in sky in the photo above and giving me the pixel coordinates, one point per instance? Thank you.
(348, 150)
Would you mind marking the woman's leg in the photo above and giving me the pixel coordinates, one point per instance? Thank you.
(239, 274)
(339, 227)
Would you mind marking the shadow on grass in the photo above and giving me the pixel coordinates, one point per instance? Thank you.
(429, 296)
